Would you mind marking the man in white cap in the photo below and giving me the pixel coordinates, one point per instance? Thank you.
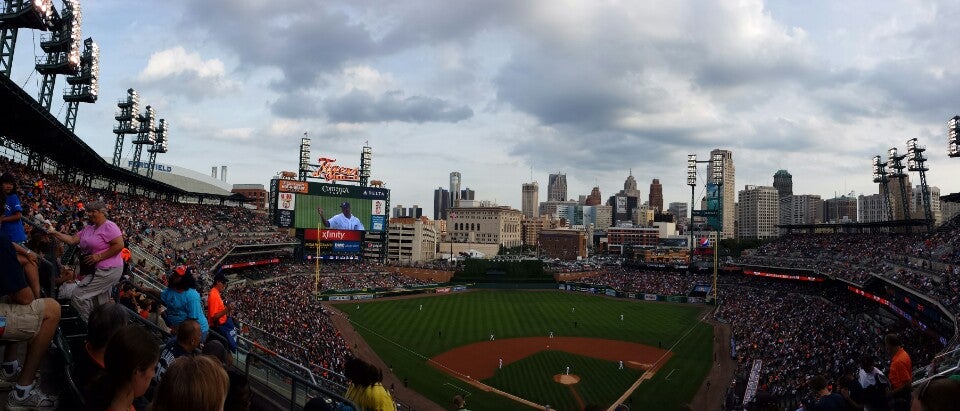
(343, 221)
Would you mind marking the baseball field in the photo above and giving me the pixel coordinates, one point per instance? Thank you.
(495, 348)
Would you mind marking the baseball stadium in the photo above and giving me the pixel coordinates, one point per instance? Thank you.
(126, 290)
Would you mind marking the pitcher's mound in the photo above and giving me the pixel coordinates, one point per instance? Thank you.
(566, 379)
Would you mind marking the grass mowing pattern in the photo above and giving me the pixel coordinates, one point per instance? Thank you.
(395, 328)
(532, 378)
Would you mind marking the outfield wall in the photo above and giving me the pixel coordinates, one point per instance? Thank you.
(593, 289)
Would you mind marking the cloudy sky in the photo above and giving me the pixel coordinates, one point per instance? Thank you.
(500, 90)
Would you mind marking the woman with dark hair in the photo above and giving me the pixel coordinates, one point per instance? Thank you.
(183, 300)
(129, 361)
(101, 266)
(366, 386)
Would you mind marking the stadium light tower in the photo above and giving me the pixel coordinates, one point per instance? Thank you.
(953, 136)
(895, 170)
(366, 160)
(21, 14)
(63, 51)
(692, 182)
(85, 86)
(880, 177)
(147, 135)
(159, 147)
(716, 177)
(127, 120)
(304, 157)
(917, 162)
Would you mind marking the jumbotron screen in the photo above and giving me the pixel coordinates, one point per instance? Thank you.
(298, 202)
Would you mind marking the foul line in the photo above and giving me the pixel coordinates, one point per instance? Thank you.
(465, 392)
(649, 374)
(671, 373)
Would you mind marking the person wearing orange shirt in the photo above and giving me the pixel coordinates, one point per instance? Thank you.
(218, 312)
(900, 375)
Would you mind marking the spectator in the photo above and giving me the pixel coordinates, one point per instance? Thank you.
(901, 373)
(13, 210)
(827, 400)
(187, 343)
(460, 403)
(366, 386)
(100, 244)
(192, 383)
(219, 313)
(130, 361)
(183, 300)
(104, 322)
(27, 319)
(873, 385)
(937, 394)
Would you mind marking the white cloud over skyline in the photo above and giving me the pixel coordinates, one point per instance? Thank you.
(493, 89)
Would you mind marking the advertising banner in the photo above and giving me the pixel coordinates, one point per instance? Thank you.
(443, 290)
(363, 297)
(346, 246)
(611, 292)
(292, 186)
(333, 235)
(650, 297)
(339, 298)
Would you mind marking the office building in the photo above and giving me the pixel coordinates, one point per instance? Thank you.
(783, 182)
(563, 244)
(455, 189)
(871, 209)
(594, 197)
(917, 204)
(412, 240)
(530, 200)
(557, 187)
(256, 193)
(758, 210)
(655, 200)
(441, 203)
(679, 210)
(801, 209)
(485, 225)
(468, 194)
(841, 209)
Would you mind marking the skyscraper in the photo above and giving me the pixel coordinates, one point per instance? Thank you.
(655, 200)
(594, 197)
(557, 187)
(441, 203)
(759, 212)
(679, 210)
(728, 195)
(783, 182)
(455, 189)
(630, 186)
(530, 200)
(468, 194)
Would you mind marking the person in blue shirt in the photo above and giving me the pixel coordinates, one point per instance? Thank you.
(12, 210)
(183, 300)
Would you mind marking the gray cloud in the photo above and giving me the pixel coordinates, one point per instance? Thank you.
(360, 106)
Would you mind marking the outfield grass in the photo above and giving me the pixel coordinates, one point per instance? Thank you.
(405, 337)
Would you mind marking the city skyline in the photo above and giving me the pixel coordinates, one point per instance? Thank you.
(500, 90)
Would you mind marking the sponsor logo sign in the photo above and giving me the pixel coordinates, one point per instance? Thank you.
(291, 186)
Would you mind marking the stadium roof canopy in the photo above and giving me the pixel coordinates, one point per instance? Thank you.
(951, 198)
(25, 122)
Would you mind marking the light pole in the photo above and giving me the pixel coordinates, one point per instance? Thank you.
(316, 258)
(692, 182)
(880, 177)
(917, 162)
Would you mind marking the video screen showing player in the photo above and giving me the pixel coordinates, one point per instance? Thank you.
(343, 221)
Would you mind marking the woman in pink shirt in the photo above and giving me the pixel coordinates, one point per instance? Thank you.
(100, 244)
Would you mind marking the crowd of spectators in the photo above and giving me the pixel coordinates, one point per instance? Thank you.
(803, 330)
(644, 281)
(922, 262)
